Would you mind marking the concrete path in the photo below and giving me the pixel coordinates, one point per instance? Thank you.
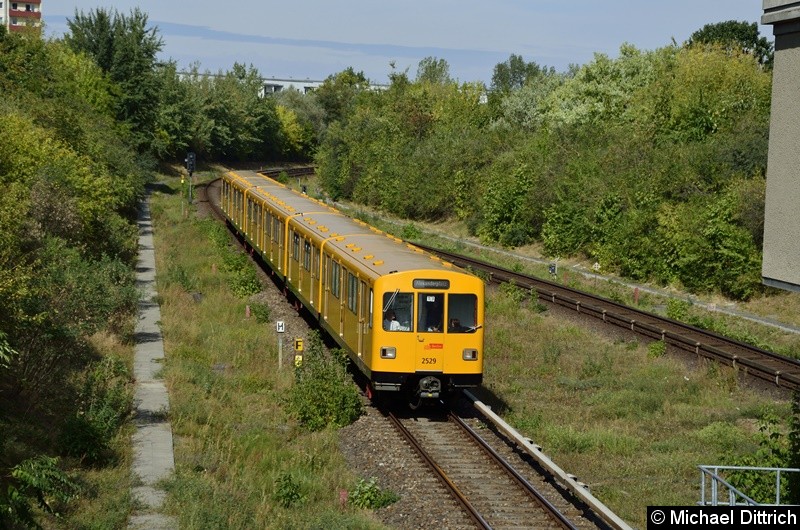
(152, 442)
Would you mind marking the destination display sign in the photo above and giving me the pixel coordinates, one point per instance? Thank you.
(431, 284)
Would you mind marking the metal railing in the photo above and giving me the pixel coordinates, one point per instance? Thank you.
(710, 479)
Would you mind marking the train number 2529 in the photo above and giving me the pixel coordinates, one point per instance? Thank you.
(429, 360)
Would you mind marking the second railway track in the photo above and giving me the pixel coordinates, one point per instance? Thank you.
(782, 371)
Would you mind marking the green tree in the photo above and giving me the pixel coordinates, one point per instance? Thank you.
(525, 109)
(243, 125)
(309, 112)
(703, 91)
(505, 207)
(125, 48)
(298, 136)
(739, 35)
(338, 93)
(433, 70)
(181, 124)
(604, 91)
(512, 75)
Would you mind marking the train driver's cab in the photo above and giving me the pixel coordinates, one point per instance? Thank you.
(435, 312)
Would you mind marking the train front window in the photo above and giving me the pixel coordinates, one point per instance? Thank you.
(462, 313)
(398, 309)
(431, 312)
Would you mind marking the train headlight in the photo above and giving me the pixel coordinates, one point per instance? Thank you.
(470, 354)
(388, 352)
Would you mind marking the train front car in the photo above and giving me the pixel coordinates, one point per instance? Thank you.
(429, 340)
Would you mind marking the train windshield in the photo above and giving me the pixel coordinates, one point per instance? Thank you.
(398, 310)
(431, 312)
(462, 313)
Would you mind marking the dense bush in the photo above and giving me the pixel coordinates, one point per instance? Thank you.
(651, 164)
(323, 394)
(773, 451)
(71, 182)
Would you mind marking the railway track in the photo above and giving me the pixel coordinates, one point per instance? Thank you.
(290, 172)
(783, 371)
(487, 487)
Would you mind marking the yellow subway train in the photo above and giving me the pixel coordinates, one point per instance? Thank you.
(409, 321)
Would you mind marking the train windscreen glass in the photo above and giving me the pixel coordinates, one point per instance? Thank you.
(398, 311)
(431, 312)
(462, 313)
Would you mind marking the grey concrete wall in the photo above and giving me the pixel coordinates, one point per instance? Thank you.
(781, 265)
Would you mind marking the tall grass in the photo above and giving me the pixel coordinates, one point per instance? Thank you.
(241, 460)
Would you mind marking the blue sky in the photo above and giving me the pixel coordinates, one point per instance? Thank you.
(312, 39)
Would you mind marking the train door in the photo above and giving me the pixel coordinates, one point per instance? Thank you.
(224, 197)
(332, 297)
(325, 279)
(273, 245)
(248, 219)
(350, 327)
(364, 317)
(430, 335)
(293, 265)
(312, 294)
(306, 270)
(280, 241)
(336, 290)
(262, 232)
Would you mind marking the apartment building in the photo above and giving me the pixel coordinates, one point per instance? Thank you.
(16, 16)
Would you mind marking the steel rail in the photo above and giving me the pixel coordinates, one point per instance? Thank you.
(533, 493)
(443, 478)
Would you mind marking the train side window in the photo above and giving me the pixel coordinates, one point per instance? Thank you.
(398, 311)
(307, 255)
(296, 246)
(462, 313)
(352, 291)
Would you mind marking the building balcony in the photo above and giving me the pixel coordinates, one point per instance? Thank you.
(19, 13)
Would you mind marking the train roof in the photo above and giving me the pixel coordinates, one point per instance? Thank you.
(375, 251)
